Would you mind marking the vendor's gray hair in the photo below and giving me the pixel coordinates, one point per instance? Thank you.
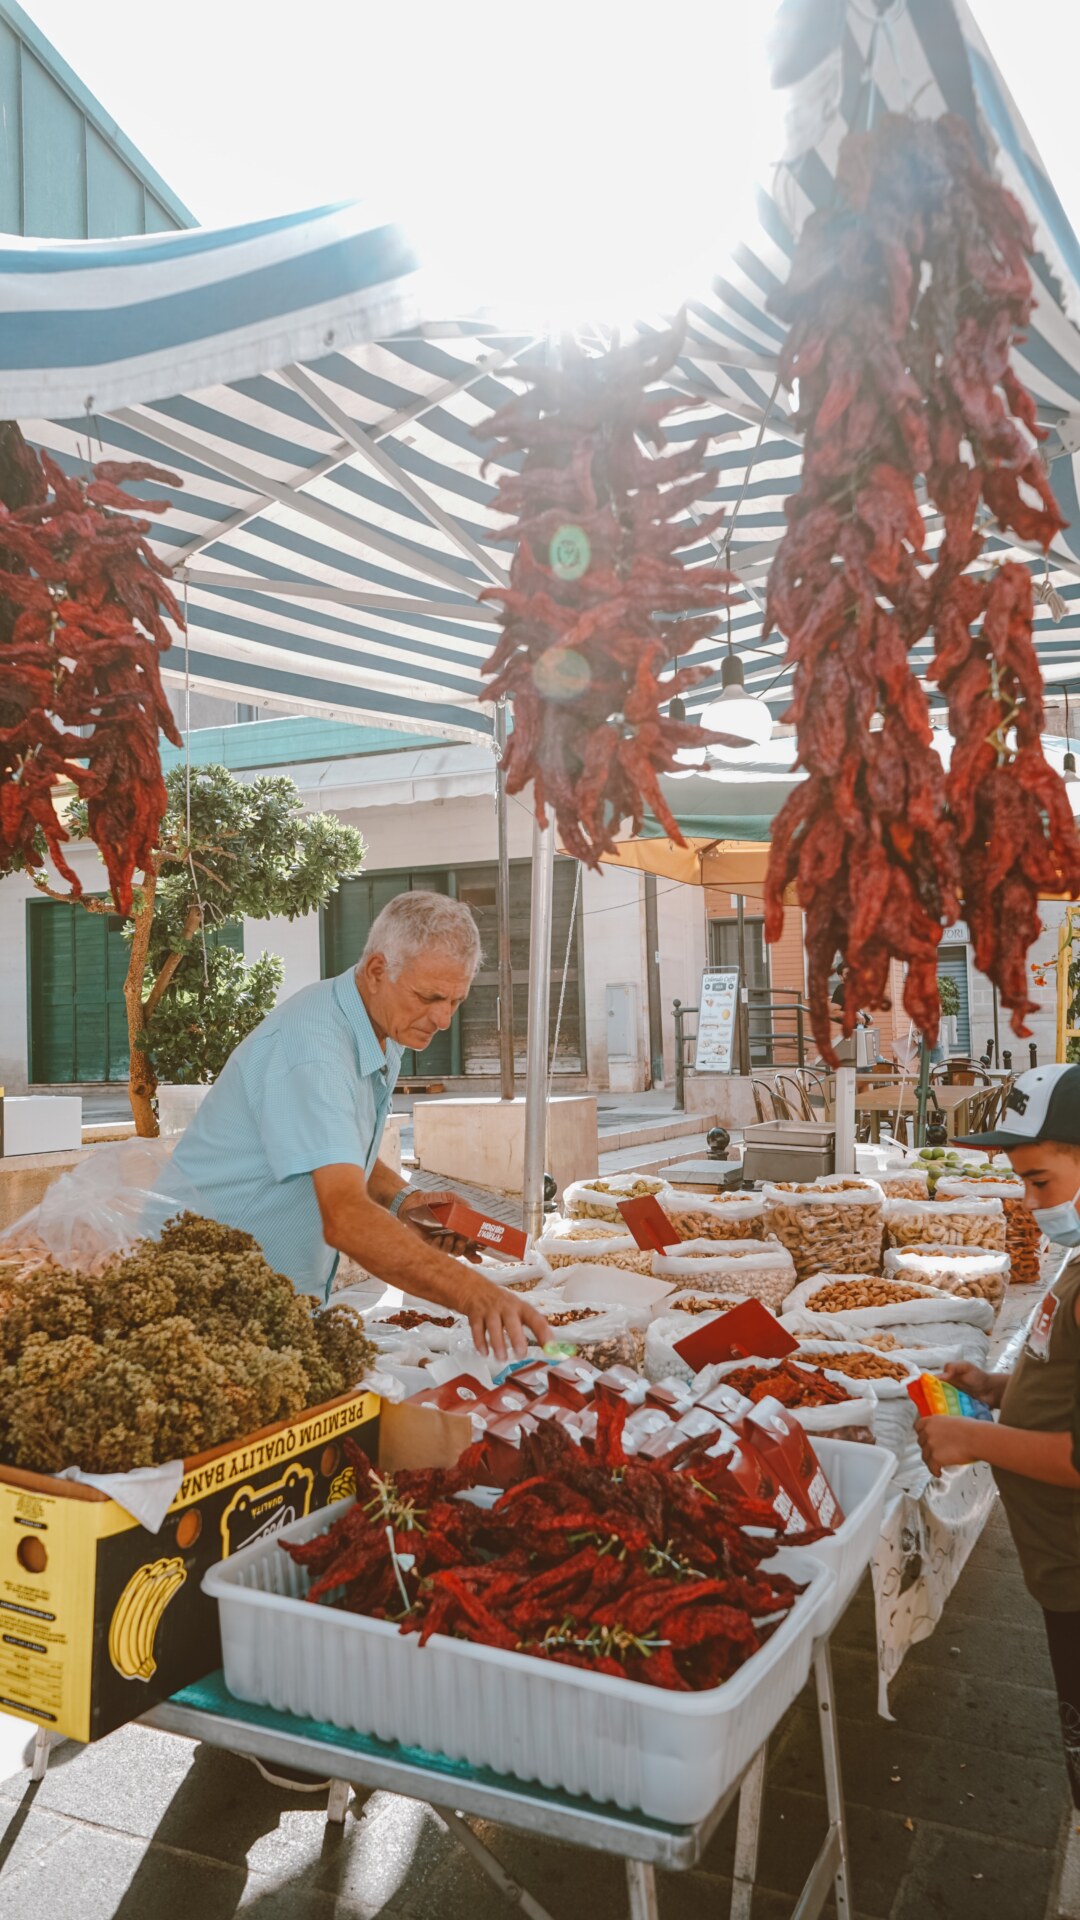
(419, 923)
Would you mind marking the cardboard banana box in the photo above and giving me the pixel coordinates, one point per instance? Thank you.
(99, 1619)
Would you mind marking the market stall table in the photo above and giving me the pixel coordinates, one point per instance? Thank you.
(455, 1790)
(902, 1099)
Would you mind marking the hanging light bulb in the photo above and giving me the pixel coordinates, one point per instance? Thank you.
(1072, 778)
(677, 710)
(737, 717)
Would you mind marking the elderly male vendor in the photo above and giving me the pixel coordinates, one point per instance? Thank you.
(286, 1143)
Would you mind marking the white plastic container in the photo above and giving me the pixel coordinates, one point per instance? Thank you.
(673, 1755)
(859, 1476)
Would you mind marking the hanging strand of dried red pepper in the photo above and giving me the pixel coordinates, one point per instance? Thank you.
(84, 602)
(902, 310)
(598, 601)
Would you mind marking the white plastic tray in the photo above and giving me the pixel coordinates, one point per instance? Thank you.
(859, 1476)
(673, 1755)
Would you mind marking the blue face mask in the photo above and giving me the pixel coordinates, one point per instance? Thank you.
(1060, 1224)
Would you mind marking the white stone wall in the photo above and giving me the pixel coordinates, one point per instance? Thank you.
(1044, 1023)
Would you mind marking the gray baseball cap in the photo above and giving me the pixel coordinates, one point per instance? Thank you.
(1042, 1105)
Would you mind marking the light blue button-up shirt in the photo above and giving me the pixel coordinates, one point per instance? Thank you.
(311, 1087)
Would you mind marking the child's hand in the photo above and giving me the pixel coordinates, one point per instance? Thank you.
(948, 1441)
(988, 1387)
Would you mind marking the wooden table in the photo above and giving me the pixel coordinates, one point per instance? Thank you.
(902, 1098)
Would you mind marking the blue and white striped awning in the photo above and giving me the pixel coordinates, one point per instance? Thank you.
(334, 528)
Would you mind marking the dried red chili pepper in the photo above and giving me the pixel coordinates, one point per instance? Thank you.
(598, 600)
(903, 301)
(84, 606)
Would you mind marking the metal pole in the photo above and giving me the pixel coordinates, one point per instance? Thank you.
(844, 1120)
(680, 1057)
(536, 1064)
(652, 984)
(997, 1048)
(744, 1002)
(502, 898)
(922, 1094)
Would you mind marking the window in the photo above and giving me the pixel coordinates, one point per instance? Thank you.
(471, 1044)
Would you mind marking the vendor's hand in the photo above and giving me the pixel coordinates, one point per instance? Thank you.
(988, 1387)
(499, 1319)
(948, 1441)
(415, 1212)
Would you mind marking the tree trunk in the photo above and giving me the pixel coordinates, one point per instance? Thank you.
(142, 1081)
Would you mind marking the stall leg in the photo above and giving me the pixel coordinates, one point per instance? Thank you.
(518, 1895)
(42, 1743)
(338, 1804)
(747, 1835)
(834, 1789)
(641, 1883)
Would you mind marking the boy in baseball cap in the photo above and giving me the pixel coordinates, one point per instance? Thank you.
(1031, 1448)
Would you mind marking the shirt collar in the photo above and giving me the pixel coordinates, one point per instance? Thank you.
(369, 1054)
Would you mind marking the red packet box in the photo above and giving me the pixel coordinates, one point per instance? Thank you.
(785, 1448)
(573, 1382)
(732, 1465)
(494, 1235)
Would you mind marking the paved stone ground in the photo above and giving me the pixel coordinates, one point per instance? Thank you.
(955, 1812)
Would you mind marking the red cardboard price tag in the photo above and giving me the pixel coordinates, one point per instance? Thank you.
(648, 1223)
(748, 1331)
(494, 1235)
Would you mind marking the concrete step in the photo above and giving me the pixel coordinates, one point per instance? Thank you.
(650, 1131)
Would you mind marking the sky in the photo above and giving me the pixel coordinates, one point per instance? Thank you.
(253, 107)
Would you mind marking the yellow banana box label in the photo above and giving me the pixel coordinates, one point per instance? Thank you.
(99, 1619)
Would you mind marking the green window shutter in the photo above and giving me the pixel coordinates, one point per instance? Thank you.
(347, 921)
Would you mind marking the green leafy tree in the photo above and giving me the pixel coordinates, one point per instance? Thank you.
(227, 849)
(949, 995)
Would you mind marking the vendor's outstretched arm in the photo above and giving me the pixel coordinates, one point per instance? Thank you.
(355, 1224)
(383, 1184)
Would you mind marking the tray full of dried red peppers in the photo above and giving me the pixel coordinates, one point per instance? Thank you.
(483, 1626)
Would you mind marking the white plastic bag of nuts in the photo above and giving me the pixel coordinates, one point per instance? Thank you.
(868, 1300)
(519, 1276)
(761, 1269)
(905, 1183)
(579, 1241)
(947, 1223)
(598, 1199)
(982, 1272)
(1022, 1236)
(852, 1418)
(723, 1216)
(661, 1360)
(829, 1225)
(885, 1375)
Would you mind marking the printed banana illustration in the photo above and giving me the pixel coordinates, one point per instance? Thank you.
(137, 1616)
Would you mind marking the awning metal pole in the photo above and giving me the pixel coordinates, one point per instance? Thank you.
(502, 898)
(536, 1066)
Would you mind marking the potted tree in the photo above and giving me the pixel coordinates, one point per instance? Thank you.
(227, 849)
